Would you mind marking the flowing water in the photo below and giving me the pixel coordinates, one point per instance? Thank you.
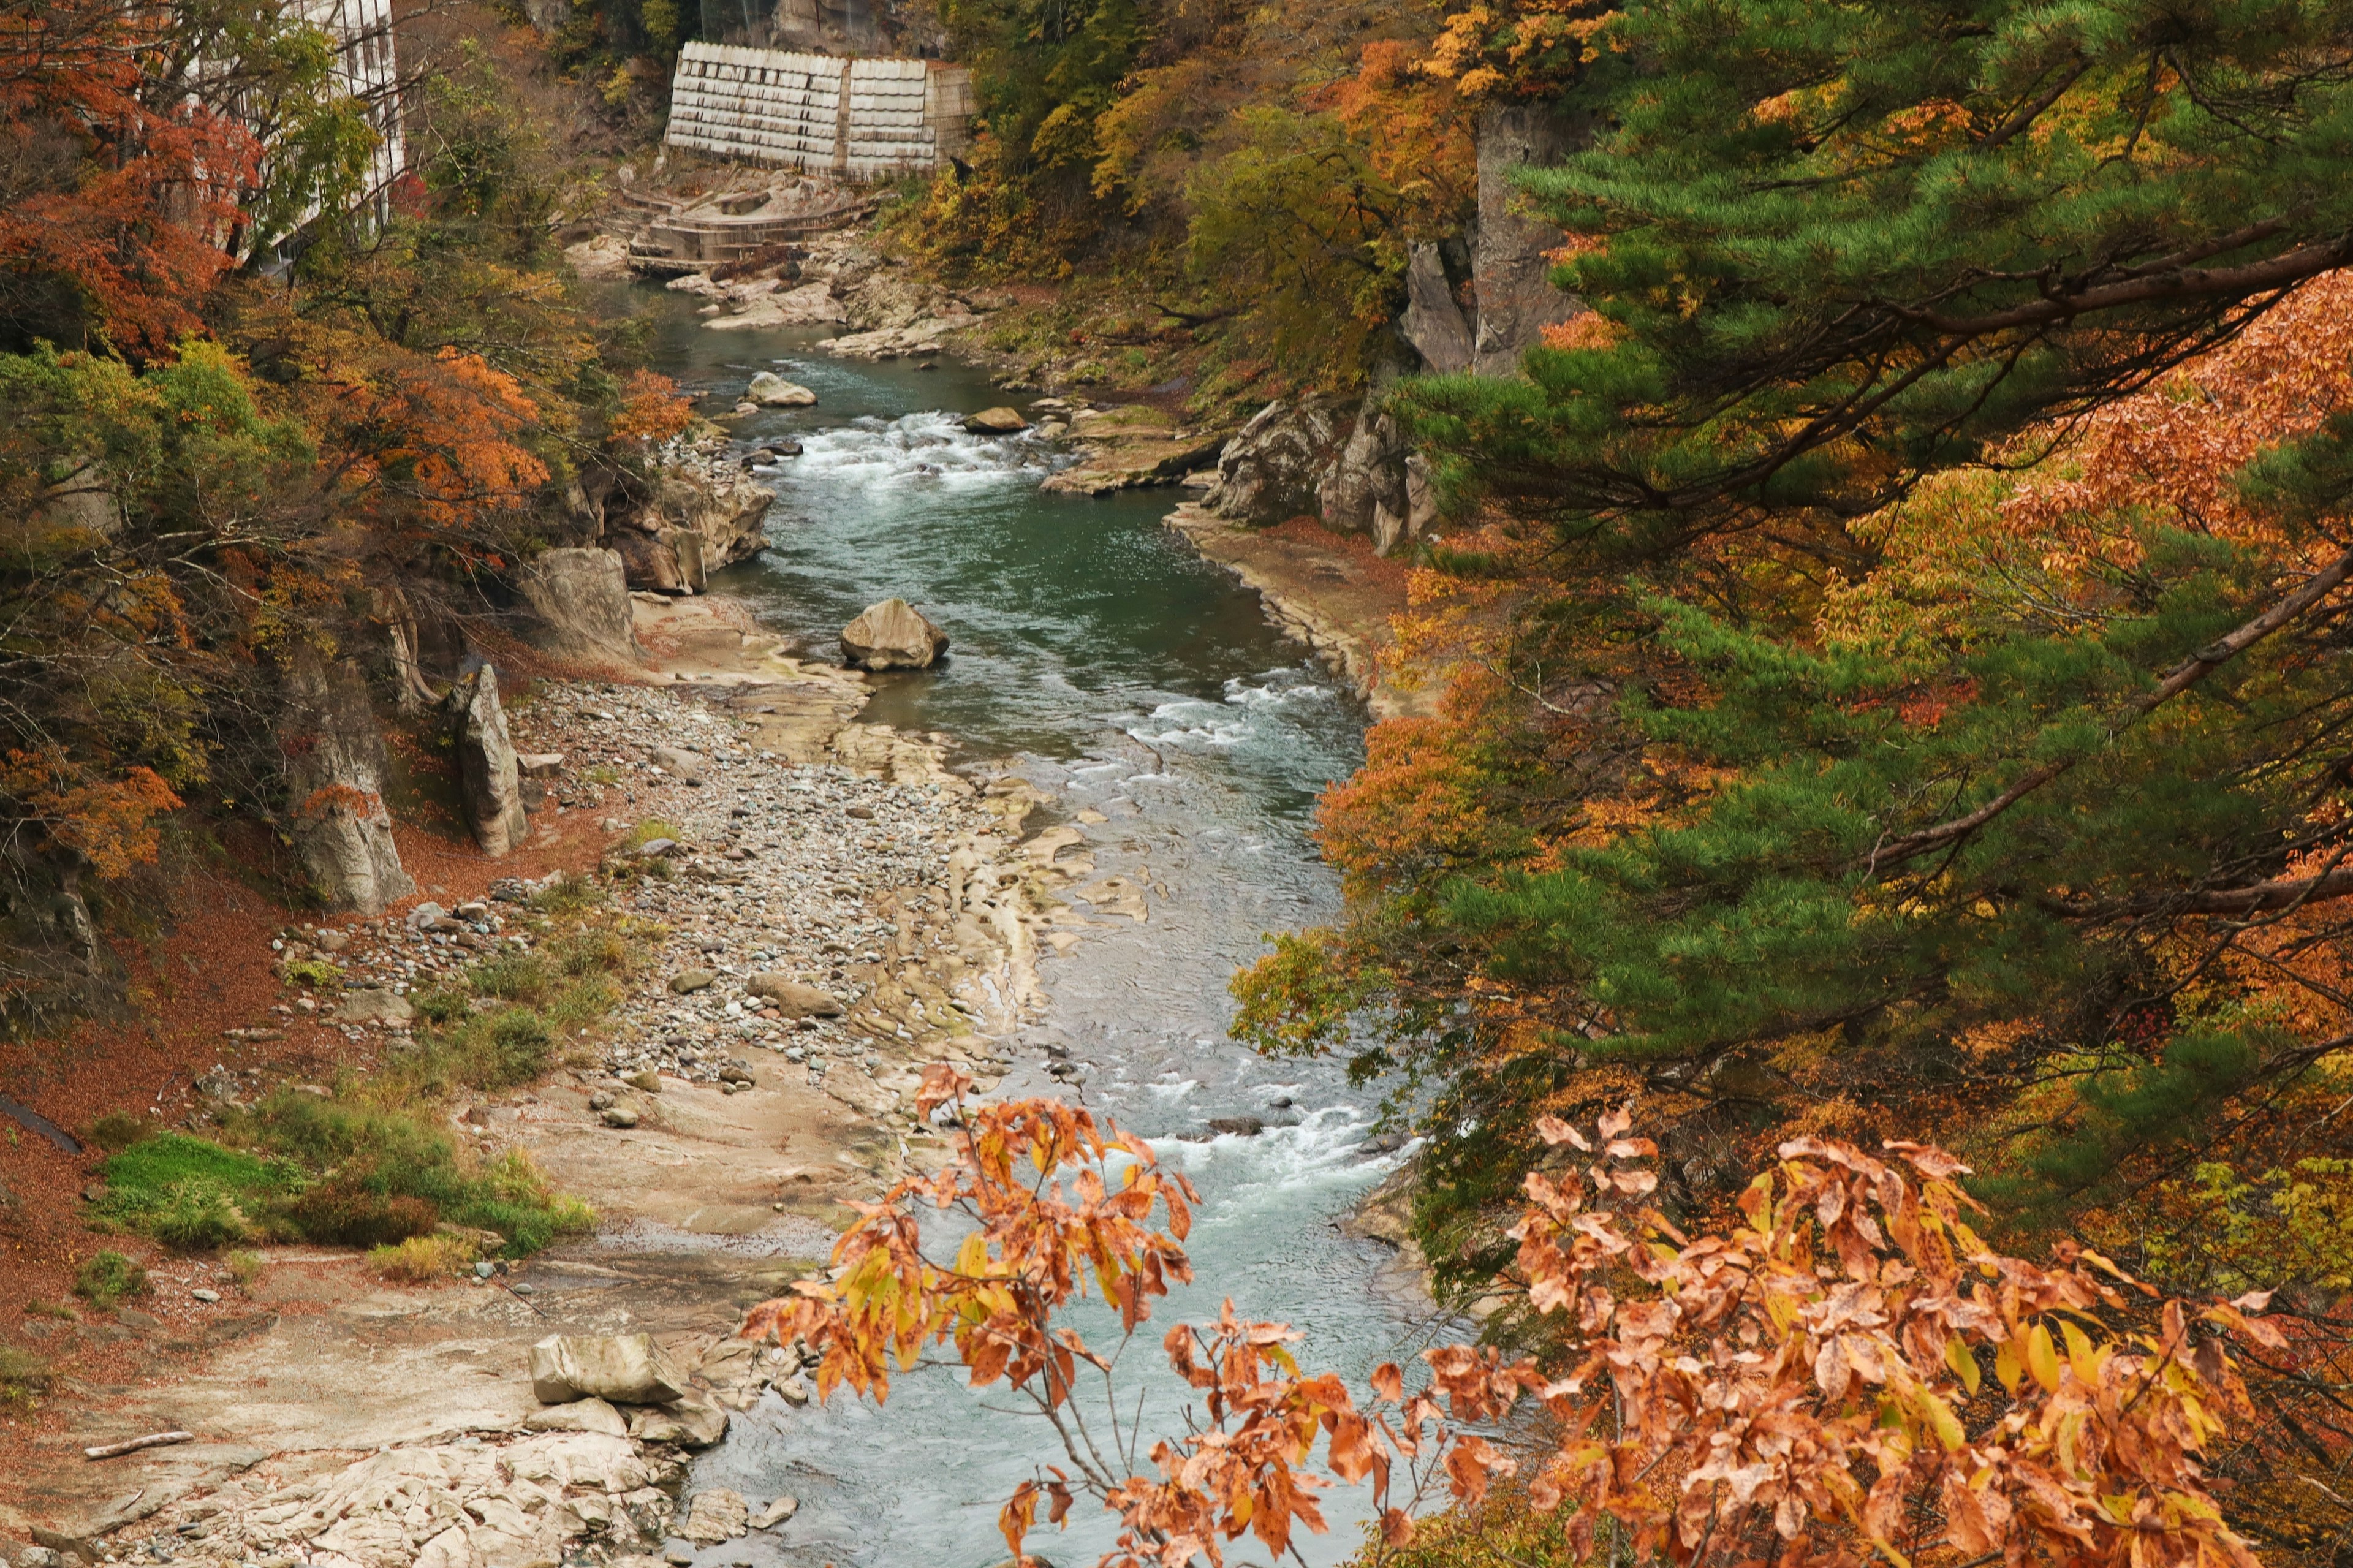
(1098, 656)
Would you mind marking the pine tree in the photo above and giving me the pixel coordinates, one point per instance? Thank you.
(1919, 697)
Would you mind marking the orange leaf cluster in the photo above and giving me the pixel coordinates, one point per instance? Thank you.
(1852, 1374)
(652, 410)
(109, 822)
(2170, 452)
(1814, 1389)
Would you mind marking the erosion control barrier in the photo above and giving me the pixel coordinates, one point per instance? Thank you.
(858, 118)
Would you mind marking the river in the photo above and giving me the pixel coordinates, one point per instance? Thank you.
(1096, 655)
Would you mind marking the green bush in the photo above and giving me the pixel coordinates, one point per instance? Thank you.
(107, 1277)
(192, 1192)
(197, 1215)
(572, 893)
(520, 1043)
(586, 952)
(582, 1003)
(315, 972)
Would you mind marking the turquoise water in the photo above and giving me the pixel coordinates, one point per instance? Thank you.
(1094, 654)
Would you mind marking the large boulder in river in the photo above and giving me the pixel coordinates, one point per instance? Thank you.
(626, 1369)
(335, 771)
(580, 602)
(996, 421)
(892, 635)
(1268, 473)
(490, 781)
(770, 390)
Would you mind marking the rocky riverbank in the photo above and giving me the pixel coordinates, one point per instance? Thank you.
(1328, 590)
(828, 910)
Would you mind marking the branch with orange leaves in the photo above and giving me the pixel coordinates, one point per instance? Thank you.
(1851, 1377)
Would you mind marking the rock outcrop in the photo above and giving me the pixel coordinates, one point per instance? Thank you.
(1510, 265)
(625, 1369)
(488, 780)
(892, 635)
(688, 527)
(1132, 447)
(1433, 322)
(691, 1421)
(334, 786)
(1269, 471)
(1365, 493)
(580, 602)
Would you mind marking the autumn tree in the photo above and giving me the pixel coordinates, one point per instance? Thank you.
(1848, 1374)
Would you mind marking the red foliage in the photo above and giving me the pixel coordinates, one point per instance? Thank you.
(135, 224)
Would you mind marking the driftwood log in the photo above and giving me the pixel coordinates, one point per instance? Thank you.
(131, 1446)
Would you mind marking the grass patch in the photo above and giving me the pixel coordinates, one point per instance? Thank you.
(422, 1258)
(569, 894)
(107, 1279)
(245, 1268)
(646, 832)
(24, 1377)
(374, 1165)
(56, 1309)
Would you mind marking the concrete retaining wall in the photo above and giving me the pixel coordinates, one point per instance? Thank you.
(861, 119)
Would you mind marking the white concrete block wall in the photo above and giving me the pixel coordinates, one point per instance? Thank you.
(786, 108)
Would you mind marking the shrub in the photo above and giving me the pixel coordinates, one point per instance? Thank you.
(349, 1213)
(513, 977)
(441, 1005)
(198, 1213)
(519, 1041)
(583, 1003)
(568, 894)
(192, 1192)
(646, 832)
(601, 950)
(117, 1130)
(23, 1375)
(422, 1258)
(245, 1268)
(107, 1277)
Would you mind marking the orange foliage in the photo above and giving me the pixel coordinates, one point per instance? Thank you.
(1416, 134)
(652, 410)
(443, 436)
(1517, 46)
(109, 822)
(2170, 452)
(1422, 797)
(137, 233)
(1850, 1375)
